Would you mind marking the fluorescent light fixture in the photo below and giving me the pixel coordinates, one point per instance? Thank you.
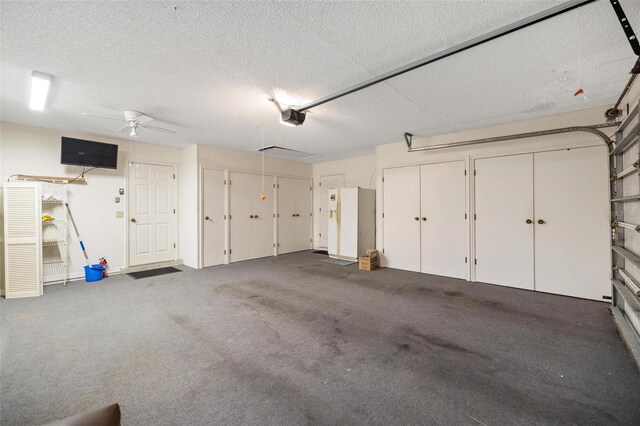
(40, 83)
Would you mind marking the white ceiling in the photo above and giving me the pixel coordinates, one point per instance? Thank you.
(205, 69)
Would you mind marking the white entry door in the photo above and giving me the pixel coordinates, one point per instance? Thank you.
(444, 231)
(572, 229)
(152, 215)
(326, 183)
(504, 220)
(213, 224)
(294, 215)
(401, 218)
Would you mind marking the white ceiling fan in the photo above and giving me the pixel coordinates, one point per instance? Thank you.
(133, 120)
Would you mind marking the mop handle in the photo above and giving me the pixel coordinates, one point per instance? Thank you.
(75, 228)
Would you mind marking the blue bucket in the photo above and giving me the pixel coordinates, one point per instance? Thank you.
(93, 273)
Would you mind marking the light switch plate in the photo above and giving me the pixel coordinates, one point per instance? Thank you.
(119, 214)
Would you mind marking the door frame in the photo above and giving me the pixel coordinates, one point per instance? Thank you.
(127, 188)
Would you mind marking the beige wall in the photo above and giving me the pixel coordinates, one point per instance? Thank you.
(36, 151)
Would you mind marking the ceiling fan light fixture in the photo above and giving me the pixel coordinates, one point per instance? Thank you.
(133, 132)
(40, 83)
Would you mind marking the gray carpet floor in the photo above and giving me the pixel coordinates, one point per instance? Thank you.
(293, 340)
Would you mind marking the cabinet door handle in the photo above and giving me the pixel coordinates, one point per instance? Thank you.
(256, 216)
(529, 221)
(540, 221)
(251, 217)
(206, 218)
(424, 218)
(416, 218)
(133, 220)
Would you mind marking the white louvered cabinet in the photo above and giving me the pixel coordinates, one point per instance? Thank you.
(23, 240)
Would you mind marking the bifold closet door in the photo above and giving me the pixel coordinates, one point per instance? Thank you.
(286, 215)
(572, 240)
(213, 200)
(294, 210)
(504, 220)
(263, 216)
(444, 231)
(401, 220)
(241, 195)
(304, 218)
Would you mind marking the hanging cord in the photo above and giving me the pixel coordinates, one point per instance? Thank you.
(262, 152)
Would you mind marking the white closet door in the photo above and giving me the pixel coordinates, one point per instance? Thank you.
(287, 219)
(325, 183)
(503, 204)
(402, 218)
(573, 242)
(304, 219)
(241, 197)
(22, 233)
(294, 208)
(263, 217)
(213, 217)
(444, 227)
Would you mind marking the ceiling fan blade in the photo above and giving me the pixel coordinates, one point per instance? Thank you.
(144, 119)
(84, 114)
(156, 128)
(126, 126)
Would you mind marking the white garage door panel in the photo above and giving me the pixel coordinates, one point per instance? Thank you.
(444, 232)
(401, 207)
(572, 245)
(503, 203)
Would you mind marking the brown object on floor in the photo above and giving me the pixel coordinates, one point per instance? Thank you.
(107, 416)
(370, 261)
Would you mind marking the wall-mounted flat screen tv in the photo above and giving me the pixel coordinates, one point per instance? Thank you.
(78, 152)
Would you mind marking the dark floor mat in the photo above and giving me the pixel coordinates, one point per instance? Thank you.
(320, 252)
(153, 272)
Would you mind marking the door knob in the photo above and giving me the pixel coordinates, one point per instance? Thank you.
(251, 217)
(294, 215)
(540, 221)
(206, 218)
(529, 221)
(416, 218)
(133, 219)
(424, 218)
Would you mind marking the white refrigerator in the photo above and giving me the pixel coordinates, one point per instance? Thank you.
(352, 222)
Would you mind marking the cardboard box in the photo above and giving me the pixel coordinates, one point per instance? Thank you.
(370, 261)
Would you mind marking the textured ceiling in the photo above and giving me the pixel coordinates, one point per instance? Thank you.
(205, 69)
